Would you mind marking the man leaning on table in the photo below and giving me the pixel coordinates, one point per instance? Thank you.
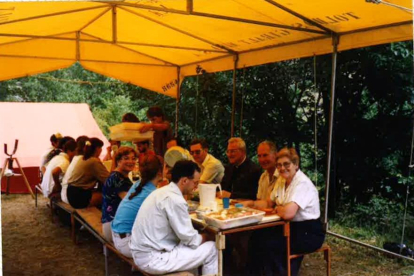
(266, 154)
(163, 238)
(241, 176)
(212, 171)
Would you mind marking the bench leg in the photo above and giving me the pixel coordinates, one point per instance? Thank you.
(105, 249)
(51, 210)
(73, 230)
(35, 197)
(327, 257)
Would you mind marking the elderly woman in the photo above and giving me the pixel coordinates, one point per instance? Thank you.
(151, 173)
(116, 187)
(295, 199)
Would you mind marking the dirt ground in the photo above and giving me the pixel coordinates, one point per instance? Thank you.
(34, 245)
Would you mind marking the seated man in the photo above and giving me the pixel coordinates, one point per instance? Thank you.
(266, 154)
(241, 176)
(143, 149)
(163, 239)
(56, 168)
(212, 171)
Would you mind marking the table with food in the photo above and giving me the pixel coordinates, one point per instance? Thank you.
(222, 221)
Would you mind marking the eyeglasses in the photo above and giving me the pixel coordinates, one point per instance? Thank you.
(286, 165)
(193, 152)
(232, 151)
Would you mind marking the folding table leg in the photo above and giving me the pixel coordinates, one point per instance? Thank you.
(220, 245)
(106, 260)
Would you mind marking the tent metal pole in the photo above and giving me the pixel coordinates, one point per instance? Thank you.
(233, 102)
(335, 41)
(114, 25)
(77, 46)
(177, 102)
(369, 246)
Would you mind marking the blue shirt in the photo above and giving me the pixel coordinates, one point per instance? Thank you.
(115, 184)
(128, 209)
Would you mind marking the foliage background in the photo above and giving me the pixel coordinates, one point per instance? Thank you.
(280, 102)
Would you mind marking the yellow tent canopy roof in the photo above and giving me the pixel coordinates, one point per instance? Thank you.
(153, 43)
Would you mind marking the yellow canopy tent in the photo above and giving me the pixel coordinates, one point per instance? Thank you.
(150, 42)
(155, 44)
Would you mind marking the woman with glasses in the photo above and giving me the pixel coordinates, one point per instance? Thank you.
(116, 187)
(295, 198)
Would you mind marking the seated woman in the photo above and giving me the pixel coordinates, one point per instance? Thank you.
(116, 187)
(87, 172)
(151, 173)
(296, 199)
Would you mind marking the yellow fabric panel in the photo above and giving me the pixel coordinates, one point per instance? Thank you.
(176, 56)
(113, 53)
(63, 49)
(346, 15)
(156, 78)
(375, 37)
(257, 10)
(169, 4)
(102, 26)
(237, 36)
(211, 66)
(51, 25)
(133, 28)
(12, 68)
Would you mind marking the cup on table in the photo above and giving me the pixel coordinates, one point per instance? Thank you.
(226, 202)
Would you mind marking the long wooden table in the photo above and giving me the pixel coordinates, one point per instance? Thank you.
(220, 235)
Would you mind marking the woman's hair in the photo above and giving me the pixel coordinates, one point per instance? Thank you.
(63, 141)
(90, 147)
(69, 146)
(124, 151)
(289, 153)
(130, 118)
(80, 144)
(149, 168)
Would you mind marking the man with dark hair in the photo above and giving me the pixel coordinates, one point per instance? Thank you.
(163, 238)
(130, 118)
(160, 126)
(51, 182)
(212, 171)
(143, 149)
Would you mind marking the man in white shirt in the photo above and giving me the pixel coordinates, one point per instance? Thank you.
(56, 168)
(266, 154)
(212, 170)
(163, 239)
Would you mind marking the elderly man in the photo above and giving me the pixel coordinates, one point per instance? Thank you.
(163, 239)
(266, 154)
(212, 171)
(241, 176)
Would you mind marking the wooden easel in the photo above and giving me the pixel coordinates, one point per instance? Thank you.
(8, 163)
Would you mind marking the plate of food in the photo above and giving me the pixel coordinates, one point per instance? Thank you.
(233, 217)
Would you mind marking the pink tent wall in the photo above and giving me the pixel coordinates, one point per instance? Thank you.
(33, 124)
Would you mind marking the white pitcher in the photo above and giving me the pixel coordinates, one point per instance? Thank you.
(208, 194)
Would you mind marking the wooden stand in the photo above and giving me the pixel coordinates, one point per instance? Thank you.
(6, 165)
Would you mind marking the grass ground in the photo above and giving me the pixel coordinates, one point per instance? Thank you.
(34, 245)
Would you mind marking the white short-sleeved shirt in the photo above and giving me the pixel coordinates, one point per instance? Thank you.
(62, 161)
(44, 155)
(266, 185)
(212, 170)
(301, 191)
(163, 222)
(72, 165)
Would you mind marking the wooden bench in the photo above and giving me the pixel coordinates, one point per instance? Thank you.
(327, 256)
